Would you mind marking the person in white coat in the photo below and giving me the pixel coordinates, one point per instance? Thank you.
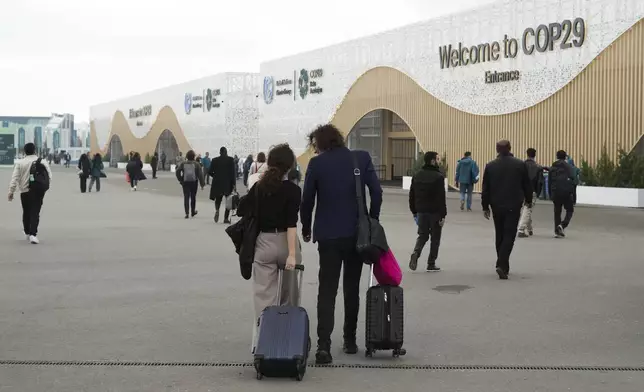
(257, 169)
(31, 197)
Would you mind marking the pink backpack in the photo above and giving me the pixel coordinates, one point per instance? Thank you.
(387, 271)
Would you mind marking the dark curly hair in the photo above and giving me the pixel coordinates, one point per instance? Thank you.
(326, 137)
(281, 160)
(190, 155)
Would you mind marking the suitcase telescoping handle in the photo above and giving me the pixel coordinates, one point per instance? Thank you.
(371, 275)
(280, 273)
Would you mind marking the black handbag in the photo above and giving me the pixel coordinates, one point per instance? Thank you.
(244, 234)
(371, 240)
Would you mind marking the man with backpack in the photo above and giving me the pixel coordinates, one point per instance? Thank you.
(535, 172)
(190, 175)
(31, 176)
(561, 182)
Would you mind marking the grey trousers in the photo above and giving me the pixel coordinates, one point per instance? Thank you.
(271, 250)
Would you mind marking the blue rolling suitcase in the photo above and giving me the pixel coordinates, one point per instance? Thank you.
(283, 342)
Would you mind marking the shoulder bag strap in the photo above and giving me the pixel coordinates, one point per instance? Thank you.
(359, 187)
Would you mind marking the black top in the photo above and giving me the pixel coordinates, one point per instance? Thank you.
(506, 184)
(427, 192)
(277, 211)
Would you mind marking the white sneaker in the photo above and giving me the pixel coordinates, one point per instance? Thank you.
(33, 239)
(135, 189)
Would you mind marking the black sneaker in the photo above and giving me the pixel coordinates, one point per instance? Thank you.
(432, 268)
(522, 234)
(194, 213)
(186, 216)
(462, 205)
(530, 233)
(413, 262)
(350, 347)
(559, 232)
(502, 274)
(216, 216)
(323, 357)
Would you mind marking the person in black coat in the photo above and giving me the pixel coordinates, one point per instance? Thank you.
(506, 188)
(154, 162)
(428, 206)
(134, 169)
(85, 167)
(224, 179)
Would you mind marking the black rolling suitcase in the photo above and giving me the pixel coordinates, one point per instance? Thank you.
(283, 342)
(384, 319)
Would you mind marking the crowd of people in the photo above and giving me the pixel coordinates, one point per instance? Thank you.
(276, 200)
(509, 192)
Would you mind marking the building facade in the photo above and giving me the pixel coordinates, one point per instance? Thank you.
(202, 115)
(547, 74)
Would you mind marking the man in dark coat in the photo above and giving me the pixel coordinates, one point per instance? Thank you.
(506, 187)
(224, 178)
(428, 205)
(154, 162)
(330, 190)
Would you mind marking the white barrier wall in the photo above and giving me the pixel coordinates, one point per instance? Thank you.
(613, 197)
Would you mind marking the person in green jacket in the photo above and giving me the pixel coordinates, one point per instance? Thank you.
(95, 172)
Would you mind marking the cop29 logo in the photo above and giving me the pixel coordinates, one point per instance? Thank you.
(303, 83)
(269, 87)
(187, 103)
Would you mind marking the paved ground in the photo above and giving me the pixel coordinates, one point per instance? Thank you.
(121, 276)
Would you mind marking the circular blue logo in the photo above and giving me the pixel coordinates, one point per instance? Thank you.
(187, 103)
(269, 87)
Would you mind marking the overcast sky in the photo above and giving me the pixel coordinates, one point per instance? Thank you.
(66, 55)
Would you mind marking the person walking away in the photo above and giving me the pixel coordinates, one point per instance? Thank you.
(163, 159)
(330, 182)
(222, 171)
(96, 172)
(577, 181)
(154, 163)
(467, 174)
(32, 177)
(237, 167)
(135, 170)
(84, 168)
(561, 181)
(294, 175)
(257, 169)
(278, 201)
(506, 187)
(205, 162)
(535, 173)
(190, 176)
(178, 160)
(246, 169)
(427, 202)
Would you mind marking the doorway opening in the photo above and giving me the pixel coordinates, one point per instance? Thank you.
(391, 143)
(167, 144)
(115, 151)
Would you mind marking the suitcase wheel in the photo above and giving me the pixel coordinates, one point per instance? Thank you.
(259, 376)
(398, 352)
(368, 353)
(301, 369)
(257, 369)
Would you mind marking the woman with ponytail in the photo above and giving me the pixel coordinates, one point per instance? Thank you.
(278, 203)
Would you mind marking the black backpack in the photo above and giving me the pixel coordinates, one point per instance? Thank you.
(38, 177)
(560, 177)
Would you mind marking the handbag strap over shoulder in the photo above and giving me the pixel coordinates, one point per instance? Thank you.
(359, 187)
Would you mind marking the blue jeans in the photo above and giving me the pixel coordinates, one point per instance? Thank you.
(467, 189)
